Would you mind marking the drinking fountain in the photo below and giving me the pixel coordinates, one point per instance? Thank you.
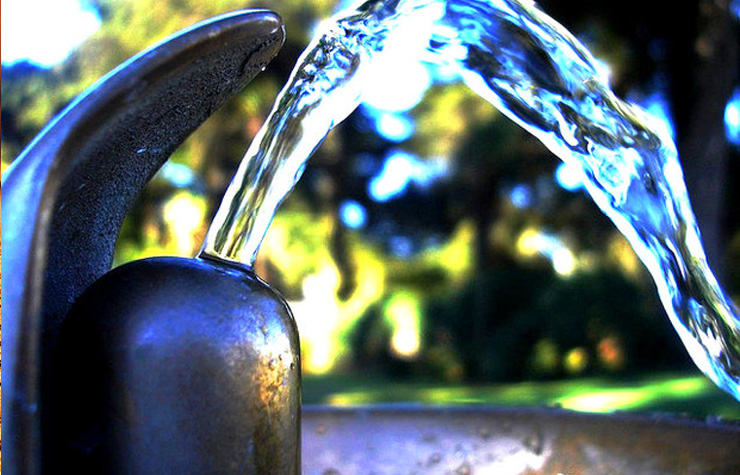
(64, 200)
(93, 365)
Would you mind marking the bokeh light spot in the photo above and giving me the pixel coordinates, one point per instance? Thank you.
(45, 32)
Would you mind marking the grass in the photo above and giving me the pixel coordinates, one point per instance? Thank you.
(688, 394)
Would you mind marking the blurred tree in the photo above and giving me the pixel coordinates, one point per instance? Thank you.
(690, 51)
(475, 247)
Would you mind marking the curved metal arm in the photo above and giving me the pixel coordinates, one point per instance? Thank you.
(65, 197)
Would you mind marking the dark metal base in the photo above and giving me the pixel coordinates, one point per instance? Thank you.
(173, 365)
(65, 197)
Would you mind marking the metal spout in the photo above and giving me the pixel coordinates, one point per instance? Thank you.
(64, 199)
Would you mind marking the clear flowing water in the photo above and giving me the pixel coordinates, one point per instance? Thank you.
(536, 73)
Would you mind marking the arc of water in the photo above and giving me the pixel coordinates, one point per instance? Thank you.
(535, 72)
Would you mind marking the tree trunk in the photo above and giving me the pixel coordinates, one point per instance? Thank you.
(703, 72)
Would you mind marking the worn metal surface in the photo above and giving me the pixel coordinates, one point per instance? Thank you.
(174, 365)
(507, 441)
(64, 198)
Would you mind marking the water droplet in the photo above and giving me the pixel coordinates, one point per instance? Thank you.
(484, 433)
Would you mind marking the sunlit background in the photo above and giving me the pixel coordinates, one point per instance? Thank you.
(433, 251)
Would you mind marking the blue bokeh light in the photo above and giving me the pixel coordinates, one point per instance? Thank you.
(177, 174)
(393, 178)
(521, 196)
(399, 170)
(353, 214)
(732, 118)
(569, 176)
(394, 127)
(401, 246)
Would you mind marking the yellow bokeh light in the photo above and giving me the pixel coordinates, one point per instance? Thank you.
(606, 400)
(564, 262)
(603, 401)
(619, 252)
(184, 215)
(576, 360)
(403, 313)
(405, 342)
(528, 244)
(317, 317)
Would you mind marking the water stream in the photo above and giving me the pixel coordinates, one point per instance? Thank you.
(537, 74)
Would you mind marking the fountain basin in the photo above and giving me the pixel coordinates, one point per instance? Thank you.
(396, 439)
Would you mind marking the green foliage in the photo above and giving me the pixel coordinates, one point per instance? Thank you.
(678, 393)
(486, 312)
(519, 323)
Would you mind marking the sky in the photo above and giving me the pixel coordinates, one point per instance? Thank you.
(44, 32)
